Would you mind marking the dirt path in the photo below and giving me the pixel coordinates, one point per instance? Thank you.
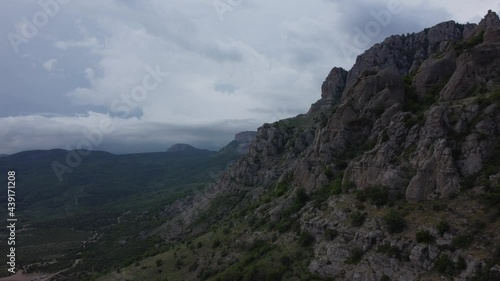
(118, 219)
(47, 278)
(20, 276)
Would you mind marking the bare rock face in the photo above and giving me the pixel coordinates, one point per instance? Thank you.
(331, 90)
(418, 114)
(479, 65)
(491, 27)
(434, 73)
(244, 139)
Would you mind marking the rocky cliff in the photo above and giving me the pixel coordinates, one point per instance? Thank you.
(244, 139)
(416, 113)
(416, 119)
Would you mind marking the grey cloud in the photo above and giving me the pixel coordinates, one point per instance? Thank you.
(222, 53)
(302, 56)
(357, 14)
(225, 88)
(41, 132)
(274, 56)
(279, 112)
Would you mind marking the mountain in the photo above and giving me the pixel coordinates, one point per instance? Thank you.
(182, 147)
(392, 175)
(98, 177)
(3, 155)
(89, 193)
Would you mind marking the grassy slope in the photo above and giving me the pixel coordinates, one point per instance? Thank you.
(57, 217)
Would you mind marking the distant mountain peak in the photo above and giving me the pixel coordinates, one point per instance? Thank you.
(181, 147)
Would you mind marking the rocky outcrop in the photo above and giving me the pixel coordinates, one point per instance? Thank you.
(417, 114)
(331, 90)
(400, 116)
(244, 139)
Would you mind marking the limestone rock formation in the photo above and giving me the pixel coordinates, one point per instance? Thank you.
(418, 115)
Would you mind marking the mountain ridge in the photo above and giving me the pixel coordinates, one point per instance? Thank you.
(44, 189)
(242, 138)
(407, 121)
(393, 174)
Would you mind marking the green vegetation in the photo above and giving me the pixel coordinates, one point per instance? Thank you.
(355, 255)
(385, 136)
(328, 173)
(394, 221)
(377, 195)
(469, 182)
(330, 234)
(415, 104)
(424, 236)
(216, 243)
(443, 227)
(102, 198)
(336, 186)
(464, 46)
(412, 102)
(104, 178)
(358, 218)
(445, 265)
(299, 201)
(360, 195)
(302, 121)
(280, 190)
(408, 152)
(385, 278)
(488, 99)
(461, 264)
(360, 122)
(485, 275)
(491, 197)
(462, 241)
(306, 239)
(393, 252)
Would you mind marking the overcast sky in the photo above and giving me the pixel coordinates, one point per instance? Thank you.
(159, 72)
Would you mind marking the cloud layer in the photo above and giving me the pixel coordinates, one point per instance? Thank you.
(231, 67)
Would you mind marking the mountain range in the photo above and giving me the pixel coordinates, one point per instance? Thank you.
(394, 174)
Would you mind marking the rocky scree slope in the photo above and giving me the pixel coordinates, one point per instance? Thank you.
(417, 119)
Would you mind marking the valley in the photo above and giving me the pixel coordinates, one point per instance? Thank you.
(394, 174)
